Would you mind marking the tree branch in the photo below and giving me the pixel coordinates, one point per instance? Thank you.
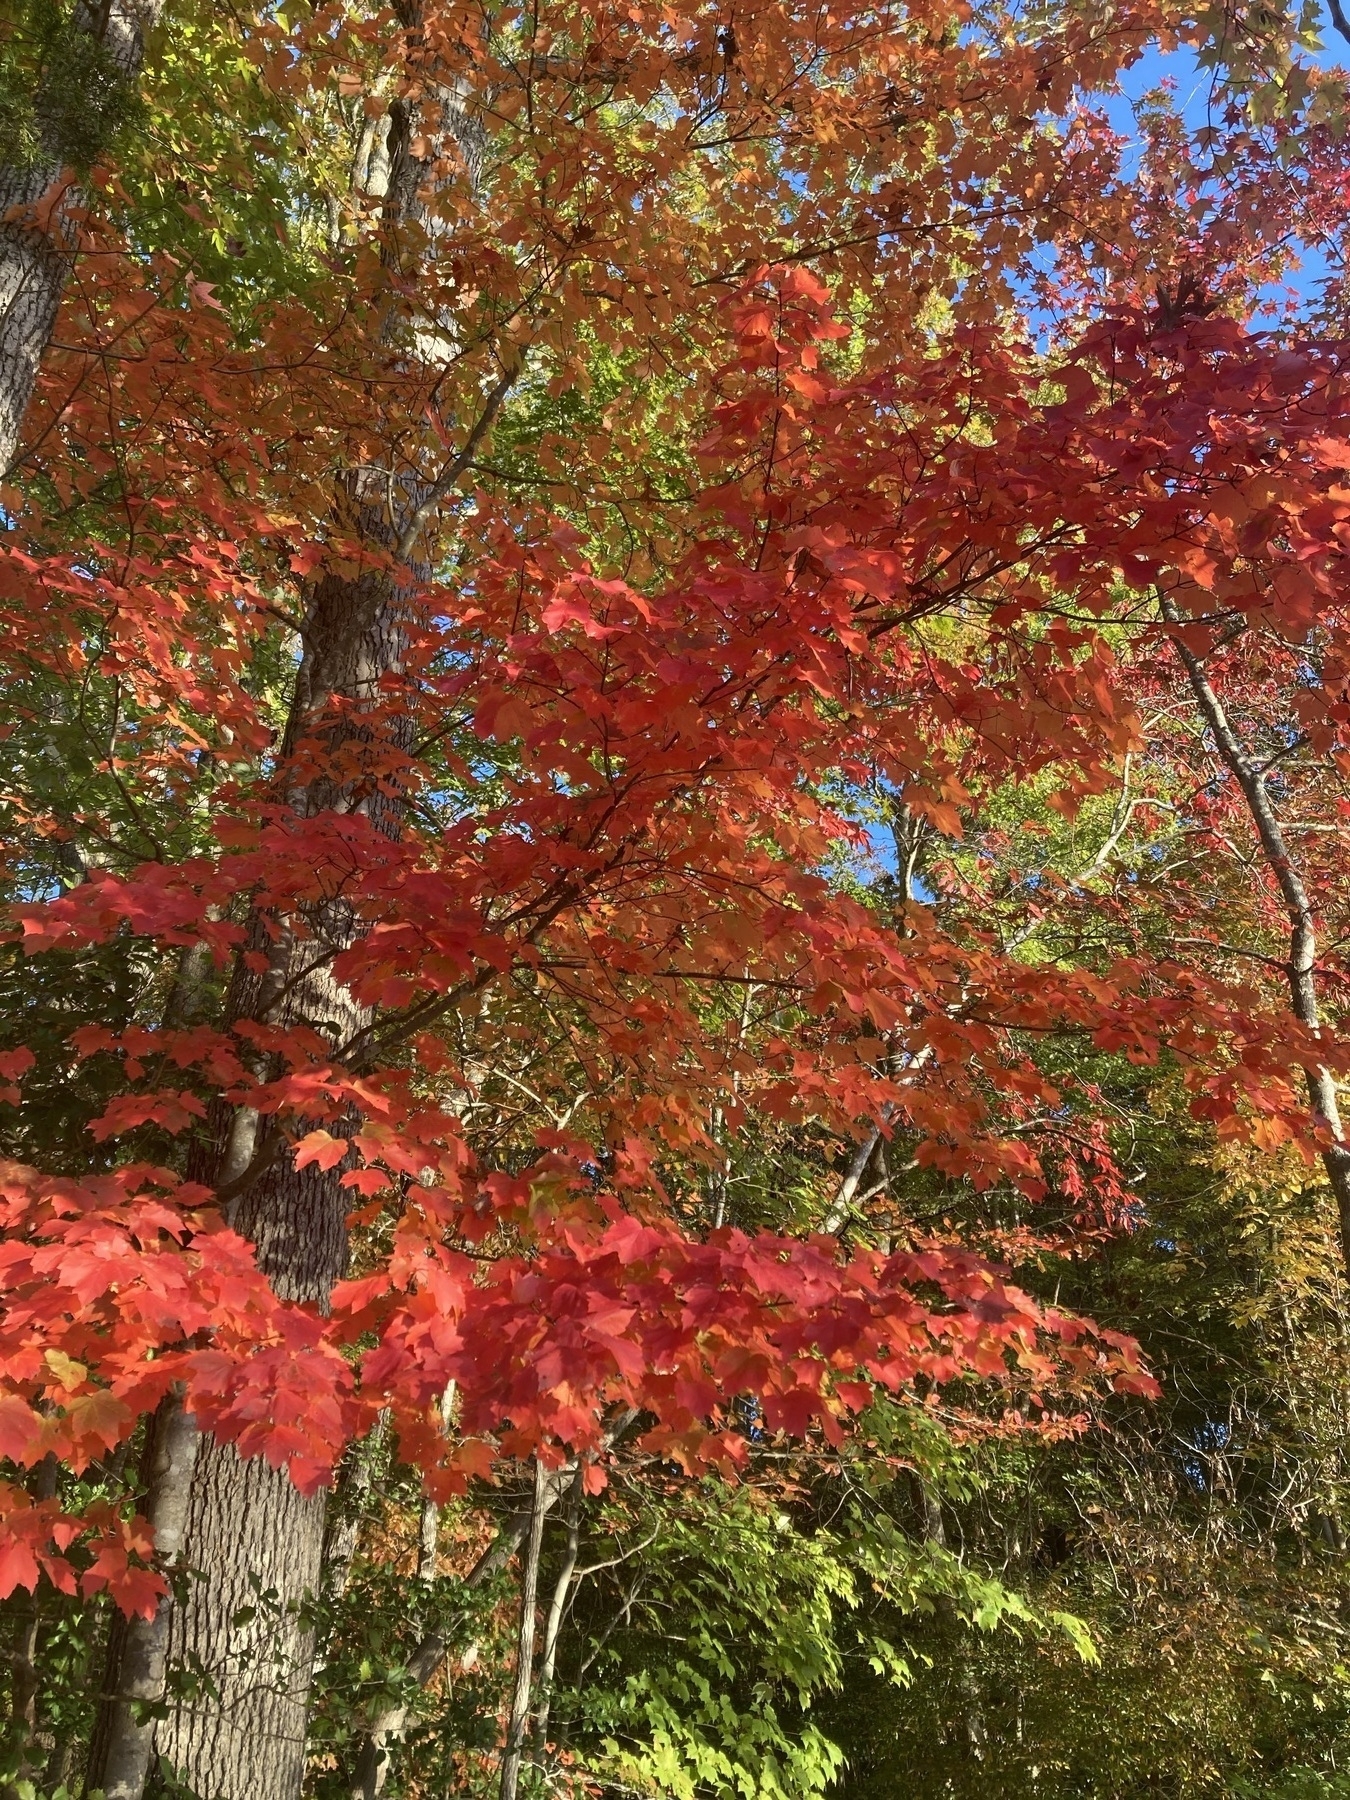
(1301, 965)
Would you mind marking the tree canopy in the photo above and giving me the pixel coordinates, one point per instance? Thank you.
(674, 769)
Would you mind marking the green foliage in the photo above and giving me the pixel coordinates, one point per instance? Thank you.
(1198, 1538)
(708, 1648)
(1295, 1784)
(720, 1648)
(62, 96)
(234, 194)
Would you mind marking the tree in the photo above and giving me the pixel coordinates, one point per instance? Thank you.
(70, 86)
(1196, 1539)
(485, 618)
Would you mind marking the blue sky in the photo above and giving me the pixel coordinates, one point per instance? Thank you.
(1193, 87)
(1193, 83)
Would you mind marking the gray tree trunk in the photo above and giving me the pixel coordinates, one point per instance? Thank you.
(240, 1633)
(562, 1593)
(121, 1752)
(1301, 967)
(241, 1637)
(247, 1625)
(38, 203)
(514, 1749)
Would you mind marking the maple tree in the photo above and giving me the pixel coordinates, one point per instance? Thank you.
(466, 633)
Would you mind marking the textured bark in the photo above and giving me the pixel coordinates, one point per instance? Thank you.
(241, 1635)
(244, 1630)
(39, 204)
(121, 1752)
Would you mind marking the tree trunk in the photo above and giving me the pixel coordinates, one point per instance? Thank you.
(562, 1591)
(38, 203)
(245, 1631)
(519, 1719)
(373, 1759)
(241, 1636)
(247, 1626)
(120, 1755)
(1301, 967)
(353, 1493)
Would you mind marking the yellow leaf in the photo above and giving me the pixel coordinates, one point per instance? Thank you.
(68, 1372)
